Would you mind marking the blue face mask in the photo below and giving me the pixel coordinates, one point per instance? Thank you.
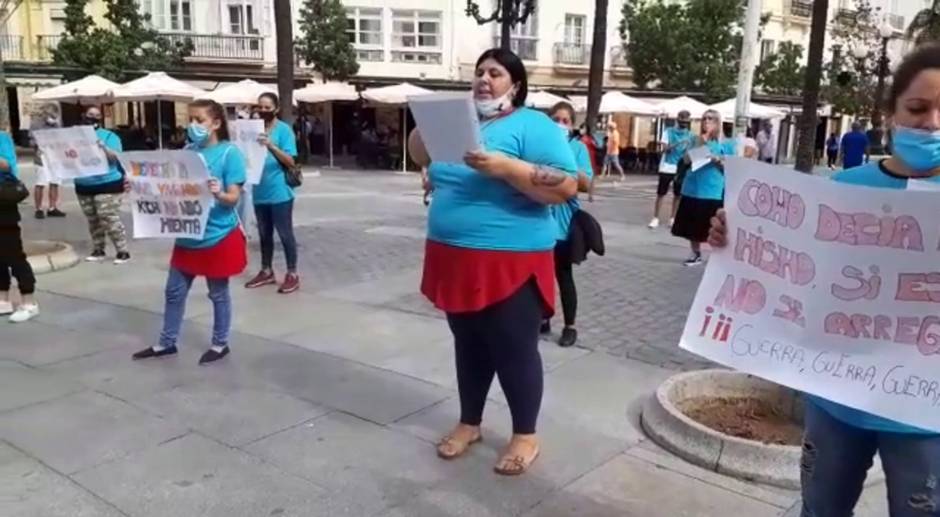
(919, 149)
(197, 134)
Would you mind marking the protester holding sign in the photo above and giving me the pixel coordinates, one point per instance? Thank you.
(100, 196)
(839, 441)
(489, 255)
(13, 260)
(46, 117)
(221, 253)
(703, 188)
(274, 198)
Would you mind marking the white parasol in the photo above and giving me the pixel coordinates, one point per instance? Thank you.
(398, 95)
(328, 92)
(92, 89)
(157, 86)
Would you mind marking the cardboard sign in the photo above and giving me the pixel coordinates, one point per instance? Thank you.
(245, 135)
(71, 152)
(169, 194)
(828, 288)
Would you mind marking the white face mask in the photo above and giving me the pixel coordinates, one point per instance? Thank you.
(487, 108)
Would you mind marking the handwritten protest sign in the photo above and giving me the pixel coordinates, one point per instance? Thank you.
(245, 136)
(71, 152)
(169, 193)
(828, 288)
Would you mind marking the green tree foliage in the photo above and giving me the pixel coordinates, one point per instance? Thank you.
(692, 46)
(850, 83)
(781, 73)
(127, 45)
(925, 27)
(324, 43)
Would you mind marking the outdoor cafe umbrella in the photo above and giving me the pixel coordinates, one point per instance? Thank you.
(543, 100)
(726, 109)
(92, 89)
(617, 102)
(157, 86)
(672, 107)
(397, 95)
(245, 91)
(327, 92)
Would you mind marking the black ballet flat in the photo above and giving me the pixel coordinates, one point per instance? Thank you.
(149, 353)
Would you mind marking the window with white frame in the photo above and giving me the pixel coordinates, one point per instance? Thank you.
(416, 37)
(574, 29)
(364, 27)
(524, 38)
(767, 49)
(169, 15)
(241, 19)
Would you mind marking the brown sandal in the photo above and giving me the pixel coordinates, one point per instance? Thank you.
(450, 448)
(515, 465)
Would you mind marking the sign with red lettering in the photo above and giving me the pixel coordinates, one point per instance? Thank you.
(169, 193)
(828, 288)
(71, 152)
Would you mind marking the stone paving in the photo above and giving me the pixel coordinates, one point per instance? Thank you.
(333, 397)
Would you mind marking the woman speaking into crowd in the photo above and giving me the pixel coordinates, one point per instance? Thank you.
(489, 254)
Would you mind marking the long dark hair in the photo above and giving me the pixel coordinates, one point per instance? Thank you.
(271, 96)
(511, 62)
(566, 106)
(217, 112)
(925, 57)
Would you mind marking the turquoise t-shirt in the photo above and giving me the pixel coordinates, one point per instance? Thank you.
(225, 163)
(8, 152)
(563, 213)
(872, 175)
(113, 142)
(681, 140)
(273, 186)
(708, 182)
(472, 210)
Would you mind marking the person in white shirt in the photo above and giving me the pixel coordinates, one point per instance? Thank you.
(766, 142)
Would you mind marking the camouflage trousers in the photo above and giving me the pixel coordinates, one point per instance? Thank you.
(103, 212)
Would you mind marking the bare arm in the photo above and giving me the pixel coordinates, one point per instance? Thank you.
(541, 183)
(584, 182)
(229, 196)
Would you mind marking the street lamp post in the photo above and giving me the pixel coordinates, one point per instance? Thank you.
(881, 70)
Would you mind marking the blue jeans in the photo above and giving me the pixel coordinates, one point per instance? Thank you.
(836, 457)
(281, 217)
(177, 289)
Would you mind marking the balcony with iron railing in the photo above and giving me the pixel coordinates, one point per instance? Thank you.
(801, 8)
(220, 47)
(11, 46)
(572, 54)
(45, 44)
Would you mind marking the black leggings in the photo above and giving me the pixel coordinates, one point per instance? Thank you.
(13, 260)
(503, 340)
(565, 274)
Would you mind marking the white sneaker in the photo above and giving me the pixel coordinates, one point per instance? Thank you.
(672, 222)
(6, 308)
(25, 313)
(654, 223)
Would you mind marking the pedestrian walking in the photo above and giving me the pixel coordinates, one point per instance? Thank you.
(564, 214)
(489, 254)
(832, 151)
(703, 188)
(612, 159)
(676, 142)
(13, 262)
(221, 253)
(46, 117)
(855, 147)
(766, 142)
(274, 198)
(100, 196)
(839, 442)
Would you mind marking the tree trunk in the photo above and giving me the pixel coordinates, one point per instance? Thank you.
(505, 34)
(283, 26)
(598, 53)
(808, 119)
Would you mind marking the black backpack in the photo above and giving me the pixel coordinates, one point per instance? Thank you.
(12, 190)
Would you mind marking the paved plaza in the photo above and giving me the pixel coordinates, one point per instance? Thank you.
(333, 397)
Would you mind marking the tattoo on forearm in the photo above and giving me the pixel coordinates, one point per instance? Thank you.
(543, 176)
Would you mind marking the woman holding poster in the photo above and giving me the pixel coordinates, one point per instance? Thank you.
(274, 198)
(489, 254)
(13, 262)
(839, 442)
(221, 253)
(100, 196)
(703, 188)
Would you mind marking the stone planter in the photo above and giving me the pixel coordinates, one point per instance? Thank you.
(48, 256)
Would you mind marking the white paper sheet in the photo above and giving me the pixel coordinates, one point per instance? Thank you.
(71, 152)
(245, 136)
(169, 194)
(448, 124)
(700, 157)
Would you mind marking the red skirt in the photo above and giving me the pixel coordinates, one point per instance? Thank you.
(458, 280)
(224, 260)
